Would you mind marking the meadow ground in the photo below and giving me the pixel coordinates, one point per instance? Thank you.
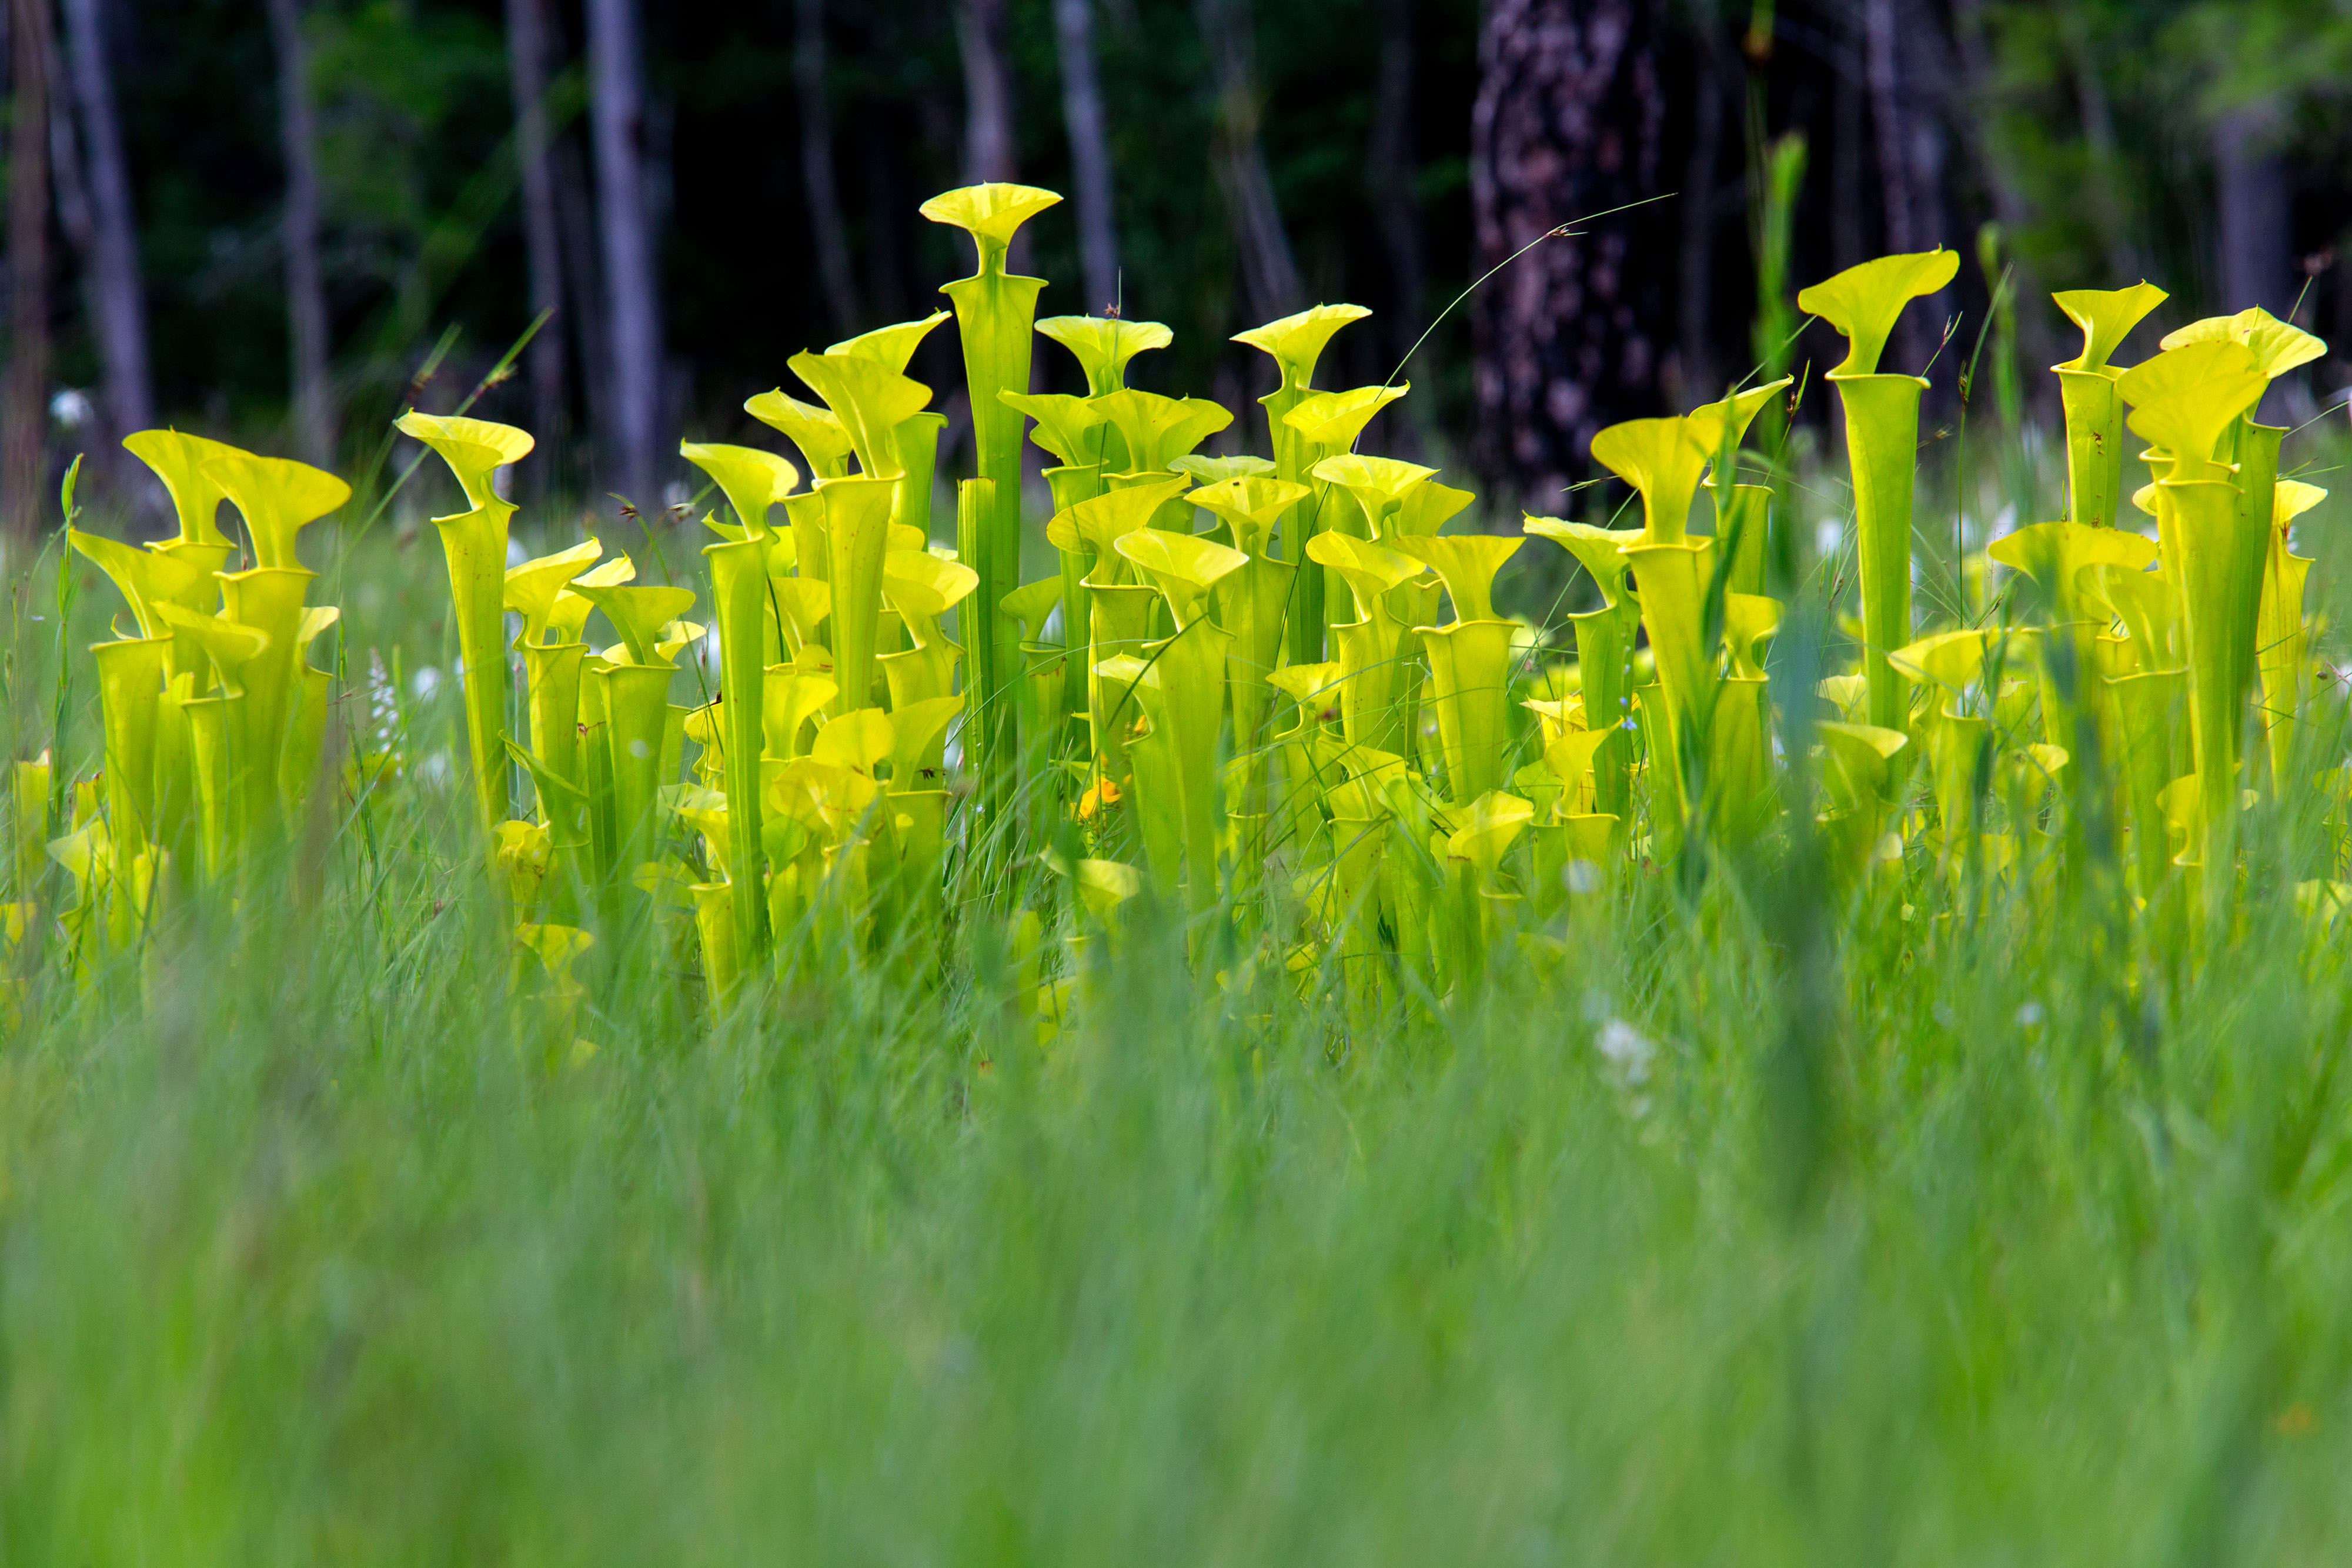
(1708, 1232)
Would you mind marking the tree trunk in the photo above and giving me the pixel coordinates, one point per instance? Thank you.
(2256, 260)
(1389, 177)
(1270, 282)
(23, 468)
(1569, 122)
(1967, 114)
(1696, 379)
(1090, 167)
(306, 288)
(1846, 122)
(987, 91)
(119, 302)
(616, 99)
(527, 58)
(1889, 122)
(829, 226)
(69, 187)
(989, 155)
(583, 292)
(1906, 97)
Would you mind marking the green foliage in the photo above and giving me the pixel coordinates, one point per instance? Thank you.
(1955, 1004)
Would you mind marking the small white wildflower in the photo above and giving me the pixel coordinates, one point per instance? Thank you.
(423, 682)
(72, 408)
(1829, 535)
(383, 702)
(1581, 875)
(435, 770)
(1629, 1051)
(2029, 1015)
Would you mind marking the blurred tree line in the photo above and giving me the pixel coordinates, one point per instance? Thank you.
(282, 222)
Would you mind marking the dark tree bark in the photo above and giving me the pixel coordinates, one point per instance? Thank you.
(1889, 122)
(527, 58)
(828, 229)
(1090, 167)
(583, 289)
(1967, 113)
(24, 468)
(1919, 102)
(617, 110)
(1696, 379)
(988, 154)
(72, 187)
(1569, 122)
(987, 89)
(313, 415)
(1271, 286)
(1846, 129)
(2251, 217)
(118, 298)
(1389, 177)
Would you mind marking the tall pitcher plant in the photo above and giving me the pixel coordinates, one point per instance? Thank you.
(474, 543)
(1881, 438)
(995, 310)
(2086, 392)
(1282, 696)
(1295, 343)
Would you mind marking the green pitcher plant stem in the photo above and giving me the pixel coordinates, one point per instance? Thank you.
(1882, 434)
(1306, 700)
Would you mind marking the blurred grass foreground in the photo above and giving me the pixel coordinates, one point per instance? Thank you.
(1706, 1226)
(1679, 1249)
(302, 1264)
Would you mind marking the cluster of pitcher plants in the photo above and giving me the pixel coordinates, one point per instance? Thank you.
(1271, 697)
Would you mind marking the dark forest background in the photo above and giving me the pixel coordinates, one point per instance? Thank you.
(278, 221)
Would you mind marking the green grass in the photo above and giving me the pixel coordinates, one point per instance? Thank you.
(307, 1259)
(2011, 1238)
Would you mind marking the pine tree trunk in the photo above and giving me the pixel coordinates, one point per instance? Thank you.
(118, 298)
(1698, 377)
(1389, 177)
(988, 95)
(1846, 129)
(617, 102)
(527, 57)
(2252, 214)
(23, 468)
(1568, 123)
(313, 415)
(988, 147)
(1271, 286)
(829, 228)
(1090, 163)
(1889, 122)
(584, 291)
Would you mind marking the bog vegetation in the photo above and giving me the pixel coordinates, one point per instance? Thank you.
(1194, 1035)
(1270, 693)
